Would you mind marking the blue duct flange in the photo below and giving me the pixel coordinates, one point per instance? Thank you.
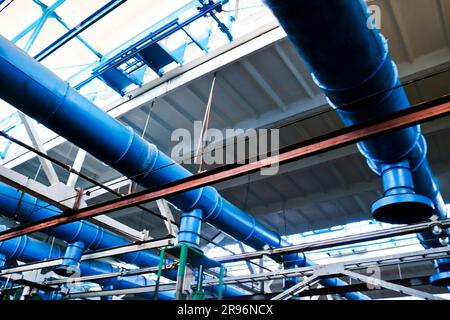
(400, 203)
(190, 225)
(442, 275)
(71, 260)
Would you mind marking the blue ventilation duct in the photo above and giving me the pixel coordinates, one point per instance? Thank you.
(26, 208)
(349, 60)
(27, 249)
(36, 91)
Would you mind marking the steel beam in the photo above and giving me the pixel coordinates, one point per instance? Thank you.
(391, 286)
(77, 164)
(134, 247)
(72, 33)
(165, 211)
(299, 287)
(118, 227)
(294, 70)
(47, 166)
(254, 73)
(401, 258)
(427, 111)
(108, 275)
(137, 290)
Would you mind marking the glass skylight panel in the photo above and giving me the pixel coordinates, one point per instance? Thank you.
(70, 59)
(74, 11)
(17, 16)
(118, 27)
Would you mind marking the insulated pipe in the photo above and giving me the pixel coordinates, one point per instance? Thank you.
(349, 60)
(27, 249)
(36, 91)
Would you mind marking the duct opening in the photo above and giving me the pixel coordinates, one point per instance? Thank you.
(442, 275)
(400, 204)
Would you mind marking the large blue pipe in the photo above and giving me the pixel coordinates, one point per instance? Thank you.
(36, 91)
(27, 249)
(349, 60)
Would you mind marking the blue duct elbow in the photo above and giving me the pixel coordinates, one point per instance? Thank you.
(71, 260)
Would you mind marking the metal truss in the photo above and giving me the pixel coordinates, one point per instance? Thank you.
(311, 276)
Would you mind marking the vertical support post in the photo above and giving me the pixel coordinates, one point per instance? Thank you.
(181, 272)
(199, 294)
(71, 259)
(159, 273)
(37, 143)
(220, 290)
(201, 143)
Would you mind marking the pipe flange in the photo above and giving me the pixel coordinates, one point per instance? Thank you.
(403, 208)
(441, 279)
